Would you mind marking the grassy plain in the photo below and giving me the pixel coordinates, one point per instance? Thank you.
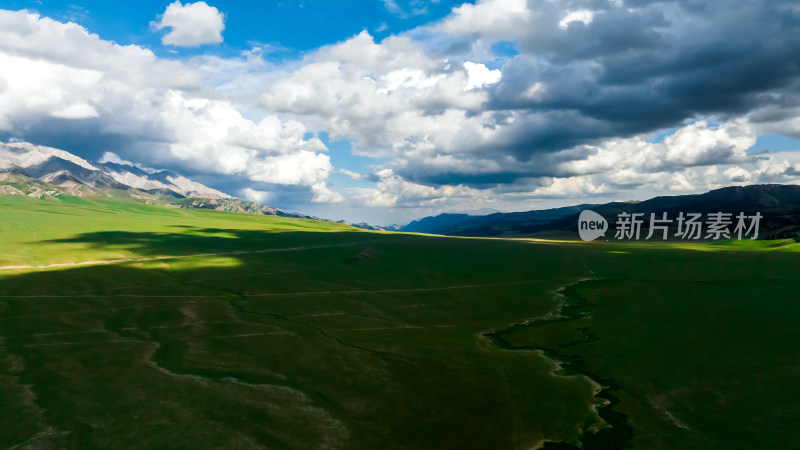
(216, 330)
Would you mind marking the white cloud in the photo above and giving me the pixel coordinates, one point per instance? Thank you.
(254, 195)
(390, 98)
(114, 158)
(60, 70)
(584, 16)
(192, 24)
(354, 175)
(478, 75)
(737, 175)
(324, 195)
(35, 88)
(579, 186)
(75, 111)
(497, 19)
(695, 144)
(212, 136)
(678, 182)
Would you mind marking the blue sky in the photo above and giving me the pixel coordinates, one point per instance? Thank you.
(292, 26)
(388, 110)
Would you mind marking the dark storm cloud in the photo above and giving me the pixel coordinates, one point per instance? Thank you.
(611, 31)
(479, 181)
(490, 170)
(634, 71)
(85, 137)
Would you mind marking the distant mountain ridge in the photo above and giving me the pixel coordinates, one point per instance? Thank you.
(490, 225)
(778, 203)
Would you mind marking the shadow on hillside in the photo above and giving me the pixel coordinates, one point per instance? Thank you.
(198, 240)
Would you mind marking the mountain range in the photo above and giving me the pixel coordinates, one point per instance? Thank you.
(778, 204)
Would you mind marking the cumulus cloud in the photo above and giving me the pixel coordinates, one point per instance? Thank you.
(212, 136)
(390, 98)
(696, 144)
(191, 25)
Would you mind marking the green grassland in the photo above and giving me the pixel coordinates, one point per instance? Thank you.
(219, 330)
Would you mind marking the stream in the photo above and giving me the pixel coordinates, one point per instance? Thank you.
(574, 308)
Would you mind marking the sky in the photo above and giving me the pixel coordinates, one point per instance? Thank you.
(385, 111)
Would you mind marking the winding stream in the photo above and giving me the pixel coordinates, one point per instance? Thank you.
(574, 308)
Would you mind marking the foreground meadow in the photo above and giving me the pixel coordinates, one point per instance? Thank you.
(131, 326)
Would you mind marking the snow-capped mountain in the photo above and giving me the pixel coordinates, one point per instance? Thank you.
(36, 171)
(63, 169)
